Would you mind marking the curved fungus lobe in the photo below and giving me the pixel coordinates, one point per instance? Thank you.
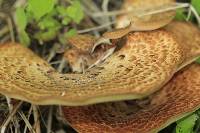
(175, 100)
(143, 65)
(137, 20)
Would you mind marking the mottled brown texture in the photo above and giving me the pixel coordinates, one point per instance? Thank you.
(174, 101)
(82, 42)
(146, 61)
(188, 35)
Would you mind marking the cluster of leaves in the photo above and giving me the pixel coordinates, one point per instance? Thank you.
(187, 124)
(46, 19)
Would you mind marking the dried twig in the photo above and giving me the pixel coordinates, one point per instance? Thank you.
(10, 25)
(49, 122)
(29, 114)
(26, 120)
(36, 119)
(115, 13)
(10, 117)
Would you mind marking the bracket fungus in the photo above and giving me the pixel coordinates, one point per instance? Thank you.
(145, 62)
(175, 100)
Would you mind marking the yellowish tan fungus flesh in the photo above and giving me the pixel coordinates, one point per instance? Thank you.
(145, 62)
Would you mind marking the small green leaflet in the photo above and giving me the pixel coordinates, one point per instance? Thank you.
(63, 13)
(75, 12)
(70, 33)
(24, 38)
(21, 22)
(48, 35)
(186, 124)
(48, 22)
(196, 5)
(21, 19)
(198, 60)
(180, 15)
(39, 8)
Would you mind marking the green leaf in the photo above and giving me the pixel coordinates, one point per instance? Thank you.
(198, 60)
(62, 10)
(48, 22)
(180, 15)
(46, 35)
(39, 8)
(196, 5)
(63, 13)
(21, 19)
(24, 38)
(21, 22)
(186, 124)
(66, 20)
(70, 33)
(75, 12)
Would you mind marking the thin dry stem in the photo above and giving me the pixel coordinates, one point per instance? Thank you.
(50, 118)
(96, 28)
(36, 119)
(28, 117)
(26, 120)
(10, 25)
(10, 117)
(120, 12)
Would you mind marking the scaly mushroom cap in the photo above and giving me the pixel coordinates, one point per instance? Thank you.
(142, 66)
(175, 100)
(189, 36)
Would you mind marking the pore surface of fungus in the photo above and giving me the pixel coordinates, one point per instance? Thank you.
(145, 62)
(175, 100)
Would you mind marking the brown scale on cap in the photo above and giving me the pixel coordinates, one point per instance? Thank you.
(190, 39)
(146, 61)
(175, 100)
